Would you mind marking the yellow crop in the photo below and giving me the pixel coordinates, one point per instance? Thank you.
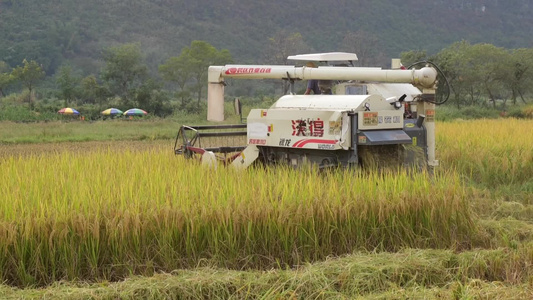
(107, 213)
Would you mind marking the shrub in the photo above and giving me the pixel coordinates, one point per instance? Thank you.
(446, 113)
(528, 111)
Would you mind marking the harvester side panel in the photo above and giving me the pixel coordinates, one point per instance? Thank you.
(294, 128)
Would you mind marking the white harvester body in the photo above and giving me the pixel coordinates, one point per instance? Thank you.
(372, 109)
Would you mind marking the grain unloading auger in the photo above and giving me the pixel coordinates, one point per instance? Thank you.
(374, 115)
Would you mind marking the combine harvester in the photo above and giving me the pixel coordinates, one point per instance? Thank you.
(372, 115)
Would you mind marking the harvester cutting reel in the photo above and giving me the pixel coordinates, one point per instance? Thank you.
(202, 142)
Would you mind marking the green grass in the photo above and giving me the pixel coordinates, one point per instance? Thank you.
(451, 113)
(76, 131)
(68, 129)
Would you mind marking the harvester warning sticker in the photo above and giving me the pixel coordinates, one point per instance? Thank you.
(430, 115)
(370, 118)
(334, 127)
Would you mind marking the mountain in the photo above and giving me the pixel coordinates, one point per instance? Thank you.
(54, 31)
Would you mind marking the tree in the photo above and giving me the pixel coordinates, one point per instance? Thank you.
(481, 71)
(178, 70)
(486, 62)
(6, 78)
(410, 57)
(150, 97)
(519, 79)
(67, 83)
(200, 56)
(124, 71)
(29, 75)
(91, 91)
(453, 62)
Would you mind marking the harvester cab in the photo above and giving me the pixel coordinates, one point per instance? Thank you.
(373, 117)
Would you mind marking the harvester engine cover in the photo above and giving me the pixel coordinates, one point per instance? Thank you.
(327, 130)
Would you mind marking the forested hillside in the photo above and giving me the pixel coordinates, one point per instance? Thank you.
(54, 31)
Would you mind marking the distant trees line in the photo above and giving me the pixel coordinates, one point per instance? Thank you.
(480, 74)
(125, 80)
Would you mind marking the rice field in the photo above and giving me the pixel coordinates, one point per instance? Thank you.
(105, 211)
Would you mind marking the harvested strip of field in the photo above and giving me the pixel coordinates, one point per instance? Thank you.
(78, 131)
(40, 149)
(106, 215)
(407, 274)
